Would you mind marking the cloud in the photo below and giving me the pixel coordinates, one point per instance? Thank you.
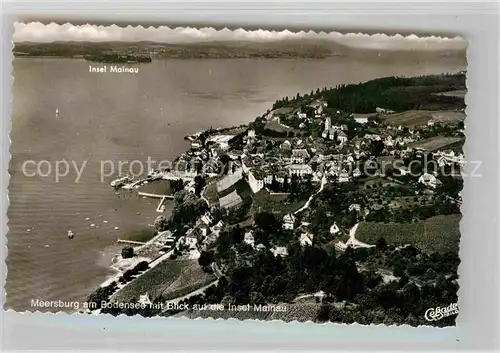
(38, 32)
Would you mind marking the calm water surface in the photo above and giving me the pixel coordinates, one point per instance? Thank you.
(128, 117)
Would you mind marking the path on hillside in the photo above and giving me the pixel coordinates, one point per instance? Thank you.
(202, 196)
(355, 243)
(306, 205)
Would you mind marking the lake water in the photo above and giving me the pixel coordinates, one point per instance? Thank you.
(125, 117)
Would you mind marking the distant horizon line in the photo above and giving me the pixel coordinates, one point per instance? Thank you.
(230, 42)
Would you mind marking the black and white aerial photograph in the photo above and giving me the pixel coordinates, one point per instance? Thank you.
(199, 172)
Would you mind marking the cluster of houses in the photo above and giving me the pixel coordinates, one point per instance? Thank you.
(204, 233)
(334, 132)
(449, 157)
(267, 161)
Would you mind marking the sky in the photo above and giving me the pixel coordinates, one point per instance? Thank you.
(38, 32)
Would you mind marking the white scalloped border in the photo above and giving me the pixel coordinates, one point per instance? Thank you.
(39, 32)
(200, 35)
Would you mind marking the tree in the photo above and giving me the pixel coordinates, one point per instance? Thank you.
(381, 244)
(324, 313)
(127, 275)
(160, 223)
(176, 185)
(199, 184)
(225, 162)
(237, 235)
(141, 266)
(206, 258)
(267, 222)
(127, 252)
(101, 294)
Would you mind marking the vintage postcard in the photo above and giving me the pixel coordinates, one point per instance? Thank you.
(248, 174)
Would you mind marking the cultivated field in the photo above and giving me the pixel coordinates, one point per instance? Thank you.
(413, 118)
(294, 312)
(410, 201)
(460, 93)
(409, 118)
(376, 182)
(264, 201)
(435, 143)
(448, 116)
(190, 279)
(274, 125)
(436, 234)
(167, 277)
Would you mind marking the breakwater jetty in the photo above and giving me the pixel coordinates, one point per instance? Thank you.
(163, 199)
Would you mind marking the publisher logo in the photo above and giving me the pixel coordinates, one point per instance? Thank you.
(435, 314)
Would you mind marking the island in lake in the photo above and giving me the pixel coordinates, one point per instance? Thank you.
(118, 58)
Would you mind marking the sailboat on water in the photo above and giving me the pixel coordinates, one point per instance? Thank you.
(57, 111)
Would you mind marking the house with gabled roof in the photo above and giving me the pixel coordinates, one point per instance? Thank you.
(306, 239)
(344, 176)
(429, 180)
(288, 221)
(300, 156)
(249, 238)
(279, 251)
(334, 229)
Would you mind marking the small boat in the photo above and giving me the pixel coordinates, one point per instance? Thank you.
(70, 234)
(57, 111)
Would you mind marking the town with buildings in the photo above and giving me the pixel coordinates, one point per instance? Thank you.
(338, 209)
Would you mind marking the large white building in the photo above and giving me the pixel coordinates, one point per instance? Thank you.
(429, 180)
(256, 182)
(361, 120)
(328, 123)
(300, 170)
